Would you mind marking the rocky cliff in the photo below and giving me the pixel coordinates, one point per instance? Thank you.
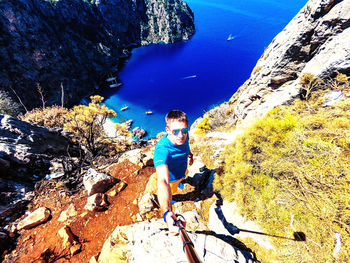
(315, 41)
(26, 152)
(77, 43)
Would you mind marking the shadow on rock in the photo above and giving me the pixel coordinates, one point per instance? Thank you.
(202, 181)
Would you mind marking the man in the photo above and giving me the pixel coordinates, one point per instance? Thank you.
(170, 159)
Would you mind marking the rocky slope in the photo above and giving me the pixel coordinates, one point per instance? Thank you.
(315, 41)
(78, 43)
(101, 225)
(116, 217)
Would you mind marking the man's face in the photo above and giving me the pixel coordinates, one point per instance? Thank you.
(175, 133)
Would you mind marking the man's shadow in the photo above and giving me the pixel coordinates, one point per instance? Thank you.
(202, 183)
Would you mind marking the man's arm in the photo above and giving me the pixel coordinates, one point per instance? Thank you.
(165, 197)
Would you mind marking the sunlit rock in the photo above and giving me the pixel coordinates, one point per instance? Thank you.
(95, 182)
(149, 242)
(68, 213)
(96, 202)
(147, 203)
(68, 238)
(35, 218)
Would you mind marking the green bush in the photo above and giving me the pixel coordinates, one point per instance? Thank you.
(7, 105)
(290, 171)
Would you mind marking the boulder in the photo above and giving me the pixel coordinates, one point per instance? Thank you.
(134, 156)
(193, 221)
(20, 140)
(138, 132)
(152, 186)
(68, 238)
(35, 218)
(96, 202)
(28, 147)
(117, 189)
(147, 241)
(137, 157)
(95, 182)
(68, 213)
(147, 203)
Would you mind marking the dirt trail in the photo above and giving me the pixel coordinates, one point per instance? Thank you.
(43, 244)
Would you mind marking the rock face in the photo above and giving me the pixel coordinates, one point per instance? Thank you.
(232, 216)
(25, 154)
(26, 146)
(315, 41)
(77, 43)
(149, 242)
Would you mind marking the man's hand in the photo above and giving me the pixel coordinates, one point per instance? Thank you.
(170, 220)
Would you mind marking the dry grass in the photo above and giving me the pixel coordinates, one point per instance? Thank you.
(290, 172)
(50, 117)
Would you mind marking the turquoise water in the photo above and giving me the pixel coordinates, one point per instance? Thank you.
(198, 74)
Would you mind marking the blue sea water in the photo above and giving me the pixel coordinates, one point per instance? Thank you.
(198, 74)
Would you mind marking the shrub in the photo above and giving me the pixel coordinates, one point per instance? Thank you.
(203, 126)
(290, 171)
(308, 84)
(7, 105)
(86, 123)
(49, 117)
(118, 143)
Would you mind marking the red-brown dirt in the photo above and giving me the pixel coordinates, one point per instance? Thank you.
(43, 244)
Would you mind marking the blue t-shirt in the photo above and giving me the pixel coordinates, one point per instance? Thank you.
(175, 156)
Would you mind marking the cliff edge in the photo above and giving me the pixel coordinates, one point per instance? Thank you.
(315, 41)
(73, 46)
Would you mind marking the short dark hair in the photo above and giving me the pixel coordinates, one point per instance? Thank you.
(175, 115)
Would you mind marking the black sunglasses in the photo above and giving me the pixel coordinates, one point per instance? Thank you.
(177, 131)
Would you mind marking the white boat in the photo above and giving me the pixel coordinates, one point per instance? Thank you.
(190, 77)
(111, 79)
(128, 124)
(149, 112)
(230, 37)
(124, 108)
(115, 85)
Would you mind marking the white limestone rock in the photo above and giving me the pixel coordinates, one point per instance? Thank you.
(96, 202)
(35, 218)
(68, 213)
(95, 182)
(148, 242)
(232, 216)
(147, 203)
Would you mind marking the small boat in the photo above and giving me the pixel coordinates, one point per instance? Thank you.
(124, 108)
(230, 37)
(128, 124)
(149, 112)
(190, 77)
(111, 79)
(115, 85)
